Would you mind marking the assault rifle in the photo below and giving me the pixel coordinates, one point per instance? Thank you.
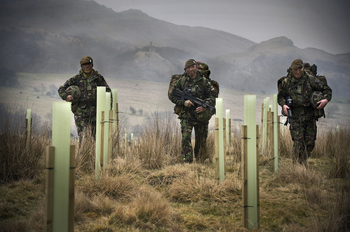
(289, 116)
(187, 95)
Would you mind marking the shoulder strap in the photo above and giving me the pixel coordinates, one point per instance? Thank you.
(183, 80)
(310, 77)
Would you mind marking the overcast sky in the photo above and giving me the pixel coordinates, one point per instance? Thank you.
(322, 24)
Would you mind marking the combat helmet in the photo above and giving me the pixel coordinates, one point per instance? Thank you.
(316, 96)
(74, 91)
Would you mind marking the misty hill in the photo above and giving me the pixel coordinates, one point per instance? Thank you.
(259, 68)
(52, 36)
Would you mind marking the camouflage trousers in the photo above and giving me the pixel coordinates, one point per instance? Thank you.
(201, 133)
(85, 126)
(304, 136)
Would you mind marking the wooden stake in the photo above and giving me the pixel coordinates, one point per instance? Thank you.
(271, 139)
(117, 127)
(257, 173)
(244, 147)
(110, 137)
(216, 141)
(225, 144)
(269, 130)
(50, 162)
(102, 137)
(71, 189)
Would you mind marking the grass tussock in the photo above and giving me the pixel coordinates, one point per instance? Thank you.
(21, 156)
(340, 158)
(147, 211)
(146, 187)
(291, 174)
(85, 154)
(158, 144)
(167, 175)
(193, 188)
(120, 188)
(337, 217)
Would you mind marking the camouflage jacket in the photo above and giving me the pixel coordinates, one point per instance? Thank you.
(201, 88)
(300, 91)
(86, 106)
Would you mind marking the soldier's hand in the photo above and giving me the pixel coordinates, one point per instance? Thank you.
(285, 109)
(200, 109)
(69, 98)
(322, 104)
(188, 103)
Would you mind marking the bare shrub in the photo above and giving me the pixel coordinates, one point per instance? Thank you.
(158, 144)
(340, 162)
(286, 144)
(20, 158)
(120, 166)
(85, 154)
(338, 213)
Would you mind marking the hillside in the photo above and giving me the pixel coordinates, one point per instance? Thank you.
(51, 37)
(259, 68)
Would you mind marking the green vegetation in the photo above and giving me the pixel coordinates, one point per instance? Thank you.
(147, 187)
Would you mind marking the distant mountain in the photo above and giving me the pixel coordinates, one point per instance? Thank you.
(52, 35)
(259, 68)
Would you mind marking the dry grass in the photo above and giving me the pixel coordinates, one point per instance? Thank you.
(20, 158)
(147, 188)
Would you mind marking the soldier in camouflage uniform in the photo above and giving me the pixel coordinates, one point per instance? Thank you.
(191, 116)
(84, 108)
(300, 85)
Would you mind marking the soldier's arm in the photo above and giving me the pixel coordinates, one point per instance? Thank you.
(176, 100)
(282, 94)
(324, 88)
(210, 100)
(62, 88)
(327, 93)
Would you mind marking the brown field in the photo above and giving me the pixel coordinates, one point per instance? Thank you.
(149, 189)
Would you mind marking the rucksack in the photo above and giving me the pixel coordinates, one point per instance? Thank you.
(174, 78)
(317, 96)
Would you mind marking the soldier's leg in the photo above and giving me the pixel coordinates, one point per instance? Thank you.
(201, 133)
(310, 136)
(297, 134)
(81, 123)
(91, 129)
(80, 127)
(186, 146)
